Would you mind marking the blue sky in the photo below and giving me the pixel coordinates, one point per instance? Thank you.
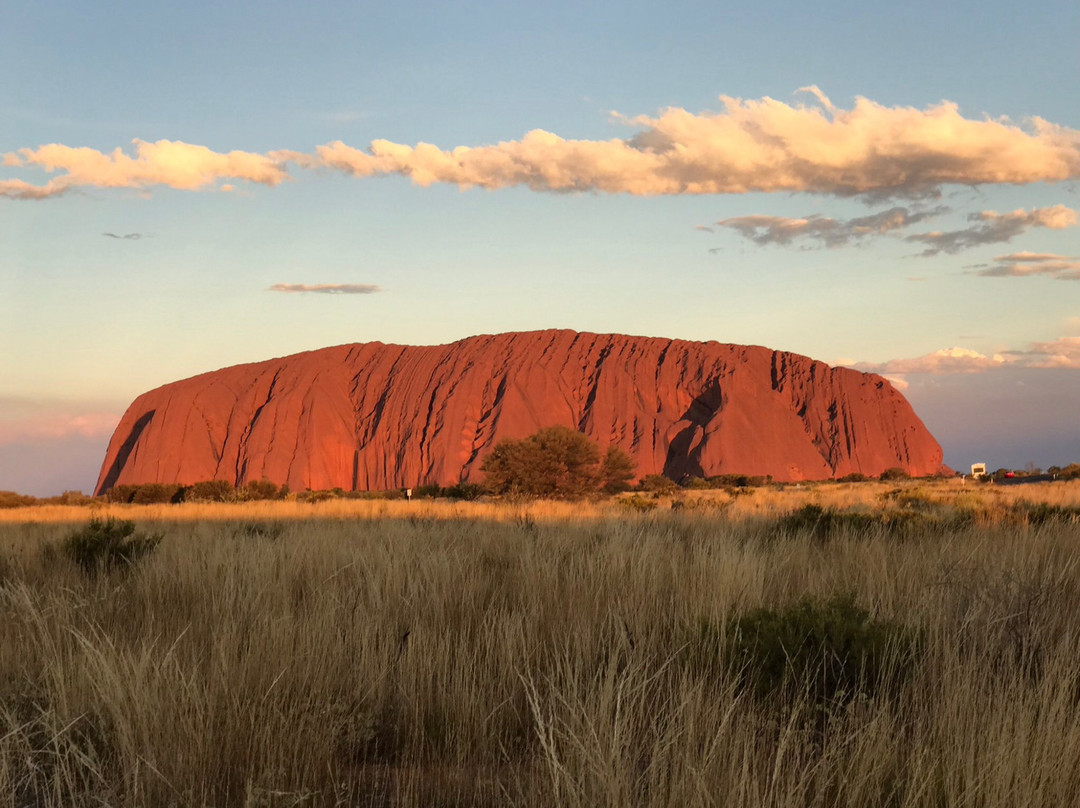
(990, 361)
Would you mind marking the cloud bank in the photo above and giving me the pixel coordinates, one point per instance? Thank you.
(326, 288)
(750, 145)
(1028, 264)
(990, 227)
(757, 145)
(167, 163)
(23, 427)
(994, 228)
(1063, 353)
(827, 232)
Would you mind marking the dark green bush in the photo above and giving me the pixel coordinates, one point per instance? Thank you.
(657, 484)
(1069, 472)
(145, 493)
(1041, 513)
(107, 544)
(73, 498)
(854, 477)
(121, 494)
(616, 471)
(360, 495)
(894, 473)
(638, 503)
(465, 491)
(556, 462)
(738, 480)
(156, 494)
(825, 523)
(260, 490)
(821, 523)
(320, 496)
(268, 531)
(210, 491)
(9, 499)
(830, 649)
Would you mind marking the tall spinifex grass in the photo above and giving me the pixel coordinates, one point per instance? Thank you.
(530, 661)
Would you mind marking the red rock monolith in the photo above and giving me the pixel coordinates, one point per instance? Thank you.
(374, 416)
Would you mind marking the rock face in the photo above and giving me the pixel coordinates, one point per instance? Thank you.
(377, 416)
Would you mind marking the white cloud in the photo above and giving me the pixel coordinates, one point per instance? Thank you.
(1060, 353)
(749, 145)
(946, 360)
(754, 145)
(172, 164)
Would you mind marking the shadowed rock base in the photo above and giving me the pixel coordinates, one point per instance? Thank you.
(377, 416)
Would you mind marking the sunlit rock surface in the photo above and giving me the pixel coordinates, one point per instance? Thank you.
(375, 416)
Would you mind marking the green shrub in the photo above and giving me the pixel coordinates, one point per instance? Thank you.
(638, 503)
(210, 491)
(1069, 472)
(121, 494)
(316, 496)
(268, 531)
(557, 462)
(74, 498)
(820, 522)
(1041, 513)
(145, 493)
(657, 484)
(919, 498)
(106, 544)
(260, 490)
(854, 477)
(738, 480)
(465, 491)
(894, 473)
(616, 471)
(829, 649)
(825, 523)
(155, 494)
(9, 499)
(359, 495)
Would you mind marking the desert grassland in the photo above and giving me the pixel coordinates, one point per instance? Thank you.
(541, 654)
(733, 503)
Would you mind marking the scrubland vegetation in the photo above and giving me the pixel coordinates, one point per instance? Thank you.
(864, 644)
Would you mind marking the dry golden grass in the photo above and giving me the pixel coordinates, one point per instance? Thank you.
(738, 504)
(439, 654)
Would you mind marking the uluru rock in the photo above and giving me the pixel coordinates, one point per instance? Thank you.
(374, 416)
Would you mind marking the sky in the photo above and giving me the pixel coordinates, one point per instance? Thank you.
(892, 187)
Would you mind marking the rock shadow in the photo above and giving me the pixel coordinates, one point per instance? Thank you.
(683, 456)
(125, 452)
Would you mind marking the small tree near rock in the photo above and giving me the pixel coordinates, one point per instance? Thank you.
(617, 471)
(557, 462)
